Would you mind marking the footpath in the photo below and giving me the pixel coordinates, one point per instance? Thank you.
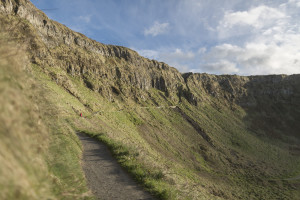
(106, 178)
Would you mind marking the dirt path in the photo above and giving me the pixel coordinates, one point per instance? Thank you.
(293, 178)
(104, 175)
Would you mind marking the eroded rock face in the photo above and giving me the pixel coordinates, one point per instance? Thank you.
(101, 66)
(114, 70)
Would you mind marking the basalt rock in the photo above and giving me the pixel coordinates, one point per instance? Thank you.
(115, 70)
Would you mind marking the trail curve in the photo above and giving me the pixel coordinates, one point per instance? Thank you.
(105, 176)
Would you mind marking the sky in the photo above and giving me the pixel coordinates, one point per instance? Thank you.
(255, 37)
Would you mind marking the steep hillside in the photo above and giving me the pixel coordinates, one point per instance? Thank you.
(32, 138)
(183, 136)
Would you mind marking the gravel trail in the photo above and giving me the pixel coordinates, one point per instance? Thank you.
(105, 176)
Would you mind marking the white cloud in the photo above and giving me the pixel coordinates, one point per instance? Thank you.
(81, 23)
(222, 51)
(257, 17)
(157, 29)
(254, 58)
(178, 59)
(220, 67)
(295, 2)
(232, 36)
(248, 22)
(86, 19)
(175, 58)
(201, 50)
(270, 42)
(178, 54)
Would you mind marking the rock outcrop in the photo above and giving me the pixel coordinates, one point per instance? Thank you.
(101, 66)
(203, 133)
(116, 71)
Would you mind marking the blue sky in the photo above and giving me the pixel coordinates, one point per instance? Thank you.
(212, 36)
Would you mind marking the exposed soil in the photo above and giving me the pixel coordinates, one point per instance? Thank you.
(105, 176)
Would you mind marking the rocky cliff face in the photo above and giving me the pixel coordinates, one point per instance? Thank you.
(246, 91)
(103, 67)
(275, 97)
(116, 71)
(211, 129)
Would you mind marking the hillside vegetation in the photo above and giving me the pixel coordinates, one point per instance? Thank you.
(182, 136)
(39, 153)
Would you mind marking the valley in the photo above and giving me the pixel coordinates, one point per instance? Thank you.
(178, 135)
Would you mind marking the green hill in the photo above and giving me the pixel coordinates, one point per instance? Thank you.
(182, 136)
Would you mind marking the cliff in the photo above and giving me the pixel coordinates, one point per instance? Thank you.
(190, 136)
(119, 71)
(104, 68)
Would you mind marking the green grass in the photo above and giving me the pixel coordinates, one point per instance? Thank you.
(65, 148)
(170, 161)
(39, 152)
(159, 146)
(23, 139)
(126, 121)
(128, 158)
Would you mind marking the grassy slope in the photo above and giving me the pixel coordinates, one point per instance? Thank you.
(166, 153)
(19, 132)
(39, 152)
(159, 146)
